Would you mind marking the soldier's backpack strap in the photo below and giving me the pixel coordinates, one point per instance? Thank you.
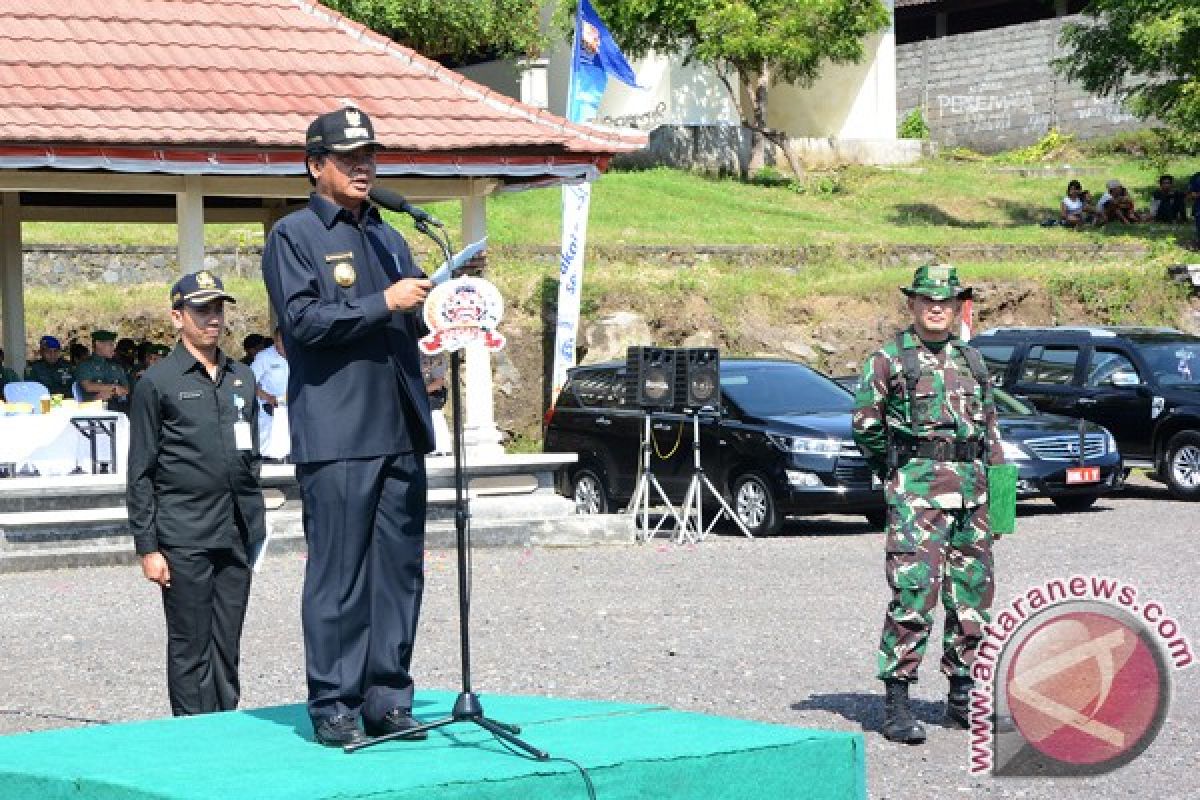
(910, 370)
(978, 368)
(910, 367)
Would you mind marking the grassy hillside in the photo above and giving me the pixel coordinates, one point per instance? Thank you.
(938, 202)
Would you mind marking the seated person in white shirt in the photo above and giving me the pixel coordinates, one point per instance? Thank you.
(270, 369)
(1076, 209)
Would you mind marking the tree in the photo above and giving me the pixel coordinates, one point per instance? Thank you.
(454, 32)
(752, 44)
(1143, 52)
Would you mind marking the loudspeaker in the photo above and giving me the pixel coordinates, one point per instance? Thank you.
(650, 377)
(699, 379)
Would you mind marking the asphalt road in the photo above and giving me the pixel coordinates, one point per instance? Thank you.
(782, 630)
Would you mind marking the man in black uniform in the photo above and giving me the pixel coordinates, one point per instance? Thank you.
(345, 291)
(195, 505)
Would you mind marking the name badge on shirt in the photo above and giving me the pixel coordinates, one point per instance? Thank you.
(242, 437)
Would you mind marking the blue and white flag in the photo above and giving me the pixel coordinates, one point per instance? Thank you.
(594, 56)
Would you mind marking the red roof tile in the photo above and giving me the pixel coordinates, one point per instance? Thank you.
(237, 74)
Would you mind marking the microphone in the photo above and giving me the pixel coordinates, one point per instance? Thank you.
(394, 201)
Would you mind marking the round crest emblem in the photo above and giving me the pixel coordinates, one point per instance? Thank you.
(344, 274)
(462, 312)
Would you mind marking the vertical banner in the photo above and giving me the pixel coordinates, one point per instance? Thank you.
(966, 320)
(570, 280)
(594, 56)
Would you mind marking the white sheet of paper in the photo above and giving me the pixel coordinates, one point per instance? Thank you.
(446, 270)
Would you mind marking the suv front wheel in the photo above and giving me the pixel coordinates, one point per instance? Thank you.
(755, 505)
(588, 492)
(1182, 470)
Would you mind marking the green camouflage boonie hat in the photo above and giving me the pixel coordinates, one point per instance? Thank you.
(937, 282)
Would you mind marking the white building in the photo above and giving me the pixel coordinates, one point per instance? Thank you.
(849, 114)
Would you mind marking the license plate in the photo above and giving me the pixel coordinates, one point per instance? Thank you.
(1083, 475)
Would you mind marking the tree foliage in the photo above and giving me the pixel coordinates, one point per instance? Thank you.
(1144, 52)
(758, 42)
(454, 32)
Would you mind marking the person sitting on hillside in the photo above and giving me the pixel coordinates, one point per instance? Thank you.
(1076, 208)
(51, 370)
(1116, 205)
(1168, 205)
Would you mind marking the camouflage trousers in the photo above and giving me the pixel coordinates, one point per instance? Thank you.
(930, 553)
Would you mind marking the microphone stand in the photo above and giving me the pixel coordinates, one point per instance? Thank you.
(467, 707)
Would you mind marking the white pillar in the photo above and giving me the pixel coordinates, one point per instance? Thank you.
(12, 281)
(189, 216)
(275, 212)
(480, 433)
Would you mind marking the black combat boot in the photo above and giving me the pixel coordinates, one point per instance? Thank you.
(958, 702)
(899, 725)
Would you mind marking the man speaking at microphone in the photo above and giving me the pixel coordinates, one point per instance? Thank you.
(347, 296)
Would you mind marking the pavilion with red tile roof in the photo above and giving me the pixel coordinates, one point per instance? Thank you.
(190, 111)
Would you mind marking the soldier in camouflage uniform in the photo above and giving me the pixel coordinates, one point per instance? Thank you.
(101, 378)
(925, 418)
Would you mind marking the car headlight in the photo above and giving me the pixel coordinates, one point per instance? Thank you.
(806, 444)
(1013, 451)
(1110, 442)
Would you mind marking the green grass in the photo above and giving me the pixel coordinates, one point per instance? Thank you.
(940, 202)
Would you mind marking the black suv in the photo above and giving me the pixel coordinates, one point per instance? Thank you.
(781, 445)
(1142, 384)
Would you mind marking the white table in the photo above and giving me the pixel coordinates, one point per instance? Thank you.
(52, 444)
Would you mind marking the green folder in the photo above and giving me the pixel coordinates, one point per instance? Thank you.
(1002, 499)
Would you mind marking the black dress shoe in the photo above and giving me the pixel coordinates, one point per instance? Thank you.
(395, 721)
(338, 731)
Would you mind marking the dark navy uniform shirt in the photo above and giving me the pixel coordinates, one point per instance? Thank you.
(56, 377)
(188, 484)
(355, 388)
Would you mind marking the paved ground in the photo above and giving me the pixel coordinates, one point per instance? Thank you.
(780, 630)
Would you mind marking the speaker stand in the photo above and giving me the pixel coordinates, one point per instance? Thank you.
(639, 506)
(693, 528)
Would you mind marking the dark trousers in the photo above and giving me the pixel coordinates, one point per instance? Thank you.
(205, 608)
(364, 521)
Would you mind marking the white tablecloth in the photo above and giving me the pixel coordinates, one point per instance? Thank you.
(52, 444)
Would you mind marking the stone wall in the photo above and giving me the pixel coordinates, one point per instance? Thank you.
(993, 90)
(63, 265)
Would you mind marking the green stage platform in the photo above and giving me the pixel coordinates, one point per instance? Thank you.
(630, 751)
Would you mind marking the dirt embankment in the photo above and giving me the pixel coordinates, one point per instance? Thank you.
(831, 333)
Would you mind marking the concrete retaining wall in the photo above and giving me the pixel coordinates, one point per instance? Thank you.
(995, 89)
(71, 265)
